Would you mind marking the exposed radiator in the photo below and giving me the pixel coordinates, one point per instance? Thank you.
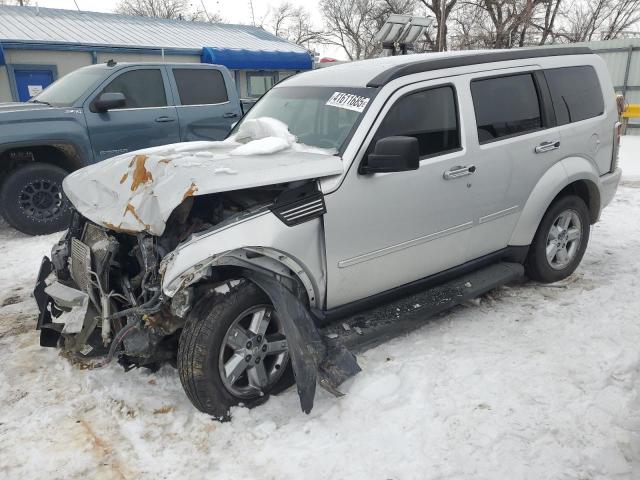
(80, 264)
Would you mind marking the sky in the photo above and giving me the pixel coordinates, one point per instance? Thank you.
(233, 11)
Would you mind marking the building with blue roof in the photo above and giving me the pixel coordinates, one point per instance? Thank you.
(39, 45)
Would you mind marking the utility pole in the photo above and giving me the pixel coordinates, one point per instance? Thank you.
(253, 14)
(205, 11)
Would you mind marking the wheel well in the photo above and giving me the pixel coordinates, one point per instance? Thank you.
(62, 155)
(225, 273)
(588, 192)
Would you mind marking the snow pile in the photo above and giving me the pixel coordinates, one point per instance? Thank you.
(537, 382)
(266, 135)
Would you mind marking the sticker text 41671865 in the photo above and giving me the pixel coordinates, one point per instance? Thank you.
(348, 101)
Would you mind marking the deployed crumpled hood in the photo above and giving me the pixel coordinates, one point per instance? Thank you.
(138, 191)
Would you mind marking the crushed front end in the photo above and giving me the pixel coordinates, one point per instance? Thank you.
(101, 290)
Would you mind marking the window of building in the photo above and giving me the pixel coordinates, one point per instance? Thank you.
(506, 106)
(259, 83)
(428, 115)
(575, 92)
(141, 88)
(200, 86)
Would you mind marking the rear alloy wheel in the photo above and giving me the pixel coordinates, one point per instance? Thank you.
(33, 201)
(233, 351)
(560, 241)
(564, 239)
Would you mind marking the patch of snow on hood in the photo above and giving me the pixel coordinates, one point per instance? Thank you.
(137, 191)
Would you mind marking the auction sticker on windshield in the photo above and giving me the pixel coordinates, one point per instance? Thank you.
(348, 101)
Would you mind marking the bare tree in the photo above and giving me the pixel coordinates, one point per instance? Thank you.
(174, 9)
(294, 24)
(547, 27)
(599, 20)
(441, 10)
(22, 3)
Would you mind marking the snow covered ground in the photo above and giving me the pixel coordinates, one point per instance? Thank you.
(537, 382)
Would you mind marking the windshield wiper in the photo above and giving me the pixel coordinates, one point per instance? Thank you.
(40, 101)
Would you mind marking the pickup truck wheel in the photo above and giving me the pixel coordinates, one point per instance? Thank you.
(560, 242)
(33, 201)
(233, 351)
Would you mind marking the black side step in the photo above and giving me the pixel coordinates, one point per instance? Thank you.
(372, 327)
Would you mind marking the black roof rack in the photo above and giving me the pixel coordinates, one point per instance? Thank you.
(474, 59)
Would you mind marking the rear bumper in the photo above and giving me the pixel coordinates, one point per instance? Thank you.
(608, 186)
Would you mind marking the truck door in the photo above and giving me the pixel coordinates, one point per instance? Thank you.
(513, 143)
(206, 101)
(385, 230)
(146, 120)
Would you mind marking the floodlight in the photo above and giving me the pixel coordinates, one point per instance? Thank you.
(392, 29)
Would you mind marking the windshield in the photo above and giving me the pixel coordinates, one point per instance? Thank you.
(66, 91)
(318, 116)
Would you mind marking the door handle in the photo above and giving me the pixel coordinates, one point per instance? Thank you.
(459, 171)
(548, 146)
(165, 119)
(230, 115)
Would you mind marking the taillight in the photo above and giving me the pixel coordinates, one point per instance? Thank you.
(617, 135)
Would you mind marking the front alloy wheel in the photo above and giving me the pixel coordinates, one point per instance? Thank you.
(254, 353)
(233, 350)
(32, 199)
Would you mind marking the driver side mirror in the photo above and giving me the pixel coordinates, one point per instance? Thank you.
(393, 154)
(108, 101)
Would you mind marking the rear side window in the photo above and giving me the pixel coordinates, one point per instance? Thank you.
(575, 92)
(141, 88)
(428, 115)
(506, 106)
(200, 86)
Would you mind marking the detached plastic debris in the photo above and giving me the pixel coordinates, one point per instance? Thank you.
(313, 361)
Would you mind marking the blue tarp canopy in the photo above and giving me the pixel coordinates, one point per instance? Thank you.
(239, 59)
(1, 55)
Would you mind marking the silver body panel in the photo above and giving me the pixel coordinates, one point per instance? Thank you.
(385, 230)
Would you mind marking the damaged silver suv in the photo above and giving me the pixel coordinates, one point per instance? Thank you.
(350, 204)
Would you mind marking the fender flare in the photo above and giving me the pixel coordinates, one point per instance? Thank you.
(259, 259)
(562, 174)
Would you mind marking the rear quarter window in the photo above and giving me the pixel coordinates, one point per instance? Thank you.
(575, 92)
(200, 86)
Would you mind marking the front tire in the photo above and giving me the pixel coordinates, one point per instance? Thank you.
(560, 242)
(33, 201)
(232, 350)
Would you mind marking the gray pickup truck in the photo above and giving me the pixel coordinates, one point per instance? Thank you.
(95, 113)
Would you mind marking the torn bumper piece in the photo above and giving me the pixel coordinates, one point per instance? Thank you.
(76, 301)
(63, 309)
(313, 361)
(49, 331)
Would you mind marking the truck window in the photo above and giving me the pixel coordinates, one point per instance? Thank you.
(505, 106)
(70, 88)
(575, 92)
(428, 115)
(200, 86)
(141, 88)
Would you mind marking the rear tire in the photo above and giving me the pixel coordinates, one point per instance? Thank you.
(205, 351)
(33, 201)
(560, 242)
